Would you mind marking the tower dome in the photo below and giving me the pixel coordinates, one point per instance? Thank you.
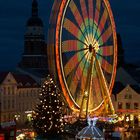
(34, 20)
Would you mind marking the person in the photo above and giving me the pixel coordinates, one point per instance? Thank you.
(116, 135)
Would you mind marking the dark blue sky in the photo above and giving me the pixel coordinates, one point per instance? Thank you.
(14, 14)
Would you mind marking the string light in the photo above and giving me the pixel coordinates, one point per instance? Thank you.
(50, 107)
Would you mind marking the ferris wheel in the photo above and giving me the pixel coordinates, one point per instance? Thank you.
(83, 53)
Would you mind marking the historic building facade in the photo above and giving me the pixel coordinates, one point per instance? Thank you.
(19, 95)
(127, 105)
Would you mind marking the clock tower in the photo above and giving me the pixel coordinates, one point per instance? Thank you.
(34, 57)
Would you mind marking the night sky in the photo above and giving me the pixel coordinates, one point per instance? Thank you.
(15, 13)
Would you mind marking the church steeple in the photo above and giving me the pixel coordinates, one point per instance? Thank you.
(34, 8)
(34, 57)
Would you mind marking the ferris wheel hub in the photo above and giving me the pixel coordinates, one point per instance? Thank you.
(90, 48)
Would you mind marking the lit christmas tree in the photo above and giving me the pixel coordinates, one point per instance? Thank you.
(48, 119)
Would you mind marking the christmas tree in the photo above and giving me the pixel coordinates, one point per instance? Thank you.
(48, 119)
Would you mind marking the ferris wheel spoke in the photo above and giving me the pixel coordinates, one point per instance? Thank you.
(73, 29)
(106, 50)
(85, 15)
(103, 38)
(78, 18)
(71, 64)
(106, 66)
(102, 21)
(97, 11)
(90, 13)
(77, 75)
(73, 46)
(106, 35)
(97, 14)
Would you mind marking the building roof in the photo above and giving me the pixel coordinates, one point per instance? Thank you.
(22, 80)
(25, 80)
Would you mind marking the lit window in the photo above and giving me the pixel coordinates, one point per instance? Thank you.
(128, 96)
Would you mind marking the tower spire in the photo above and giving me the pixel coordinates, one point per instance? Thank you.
(34, 8)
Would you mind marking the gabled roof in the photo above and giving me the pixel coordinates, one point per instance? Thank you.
(130, 89)
(25, 80)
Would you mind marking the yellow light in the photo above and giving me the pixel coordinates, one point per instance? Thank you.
(131, 117)
(86, 93)
(127, 119)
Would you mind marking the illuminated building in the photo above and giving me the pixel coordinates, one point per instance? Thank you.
(127, 105)
(19, 95)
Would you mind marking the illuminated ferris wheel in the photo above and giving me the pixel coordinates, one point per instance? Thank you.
(82, 41)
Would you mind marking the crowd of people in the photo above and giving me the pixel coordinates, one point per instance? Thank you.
(121, 133)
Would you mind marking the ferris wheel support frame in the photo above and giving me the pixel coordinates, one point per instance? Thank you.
(104, 88)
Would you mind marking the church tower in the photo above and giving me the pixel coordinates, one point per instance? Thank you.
(34, 57)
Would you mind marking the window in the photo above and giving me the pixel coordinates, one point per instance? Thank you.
(9, 90)
(128, 96)
(4, 104)
(136, 106)
(9, 116)
(19, 107)
(13, 103)
(4, 118)
(23, 107)
(4, 90)
(120, 105)
(13, 90)
(8, 104)
(127, 105)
